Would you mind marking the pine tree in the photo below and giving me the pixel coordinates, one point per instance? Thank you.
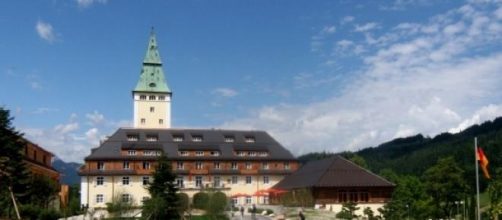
(164, 201)
(13, 172)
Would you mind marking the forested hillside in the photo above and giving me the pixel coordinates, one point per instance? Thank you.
(413, 155)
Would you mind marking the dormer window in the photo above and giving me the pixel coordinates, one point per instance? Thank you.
(126, 165)
(184, 153)
(249, 139)
(132, 137)
(197, 138)
(152, 137)
(263, 154)
(252, 153)
(215, 153)
(240, 153)
(199, 153)
(248, 165)
(152, 97)
(229, 139)
(177, 138)
(131, 152)
(142, 97)
(286, 166)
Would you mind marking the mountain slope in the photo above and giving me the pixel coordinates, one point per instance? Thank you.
(68, 171)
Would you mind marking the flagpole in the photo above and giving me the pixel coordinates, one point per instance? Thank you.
(478, 213)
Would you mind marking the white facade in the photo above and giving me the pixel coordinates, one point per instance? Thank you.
(96, 191)
(152, 110)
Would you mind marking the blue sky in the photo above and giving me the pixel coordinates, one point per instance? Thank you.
(317, 75)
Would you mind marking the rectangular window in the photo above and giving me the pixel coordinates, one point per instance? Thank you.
(234, 166)
(248, 166)
(266, 180)
(146, 180)
(286, 165)
(217, 181)
(100, 180)
(198, 165)
(196, 138)
(162, 97)
(252, 153)
(235, 179)
(216, 165)
(152, 137)
(152, 97)
(143, 121)
(142, 97)
(199, 153)
(229, 139)
(241, 153)
(184, 153)
(132, 137)
(264, 165)
(198, 181)
(143, 199)
(161, 121)
(131, 152)
(148, 153)
(99, 198)
(177, 138)
(180, 165)
(146, 165)
(249, 180)
(248, 200)
(215, 153)
(101, 165)
(249, 139)
(126, 197)
(125, 180)
(152, 109)
(180, 182)
(126, 165)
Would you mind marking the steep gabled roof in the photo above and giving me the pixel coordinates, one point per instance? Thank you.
(332, 172)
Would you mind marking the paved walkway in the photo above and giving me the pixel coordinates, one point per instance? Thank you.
(248, 217)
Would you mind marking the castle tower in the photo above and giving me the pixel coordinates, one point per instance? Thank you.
(152, 96)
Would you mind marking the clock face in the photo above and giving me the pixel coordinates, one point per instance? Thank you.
(152, 85)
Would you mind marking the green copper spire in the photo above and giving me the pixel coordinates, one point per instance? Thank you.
(152, 77)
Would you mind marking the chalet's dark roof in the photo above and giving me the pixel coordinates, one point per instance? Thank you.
(332, 172)
(212, 139)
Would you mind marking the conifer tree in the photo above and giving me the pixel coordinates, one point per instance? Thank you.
(164, 202)
(13, 172)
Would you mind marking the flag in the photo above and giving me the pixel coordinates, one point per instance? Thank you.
(483, 162)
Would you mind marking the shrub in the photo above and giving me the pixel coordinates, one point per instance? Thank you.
(200, 200)
(30, 211)
(217, 204)
(49, 214)
(184, 202)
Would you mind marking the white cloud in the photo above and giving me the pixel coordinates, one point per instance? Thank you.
(366, 27)
(347, 19)
(95, 118)
(329, 29)
(73, 140)
(225, 92)
(88, 3)
(45, 31)
(44, 110)
(485, 113)
(409, 82)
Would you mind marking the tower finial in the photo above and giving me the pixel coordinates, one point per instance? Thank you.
(152, 30)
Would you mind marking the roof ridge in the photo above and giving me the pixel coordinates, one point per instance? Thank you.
(367, 171)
